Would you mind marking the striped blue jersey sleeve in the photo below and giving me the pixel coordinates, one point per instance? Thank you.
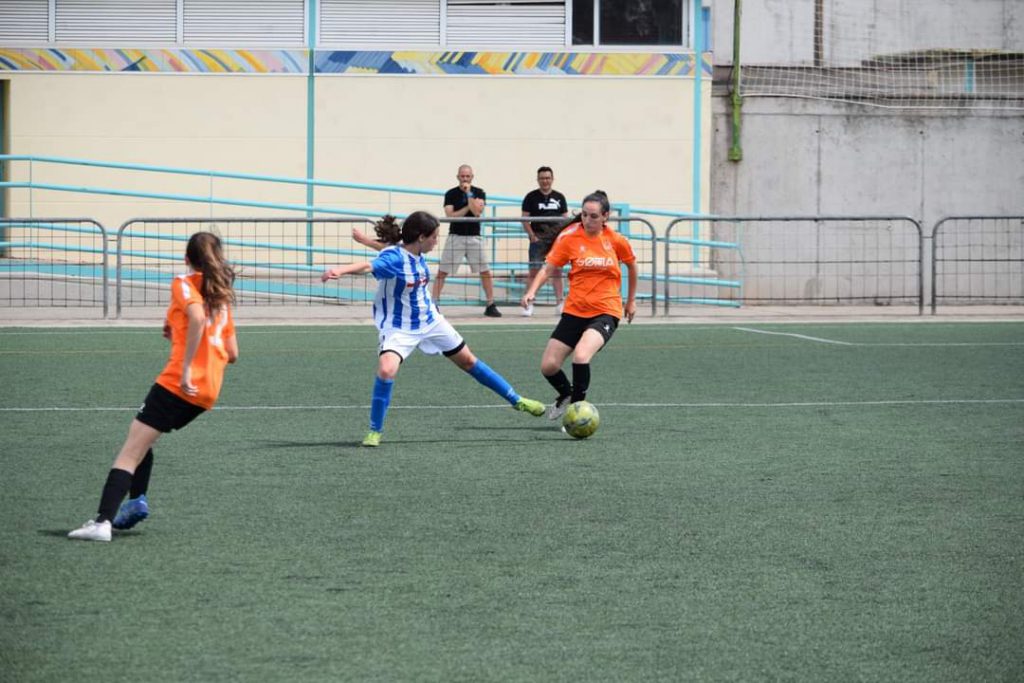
(403, 299)
(388, 264)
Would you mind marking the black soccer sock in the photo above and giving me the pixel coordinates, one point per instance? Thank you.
(580, 381)
(140, 480)
(114, 491)
(560, 382)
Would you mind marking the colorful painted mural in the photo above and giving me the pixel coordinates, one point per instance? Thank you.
(153, 60)
(510, 63)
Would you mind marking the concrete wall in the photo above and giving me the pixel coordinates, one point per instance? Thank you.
(781, 32)
(805, 157)
(813, 157)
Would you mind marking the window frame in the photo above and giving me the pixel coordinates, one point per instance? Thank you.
(309, 7)
(686, 29)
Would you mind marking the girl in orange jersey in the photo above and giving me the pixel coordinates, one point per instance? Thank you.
(202, 333)
(594, 306)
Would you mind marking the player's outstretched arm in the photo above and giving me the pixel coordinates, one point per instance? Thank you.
(350, 269)
(363, 239)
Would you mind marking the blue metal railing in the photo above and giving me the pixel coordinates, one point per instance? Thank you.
(495, 229)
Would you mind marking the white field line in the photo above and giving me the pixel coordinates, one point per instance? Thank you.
(785, 404)
(793, 334)
(823, 340)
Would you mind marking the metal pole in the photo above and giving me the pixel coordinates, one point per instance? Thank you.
(310, 122)
(698, 116)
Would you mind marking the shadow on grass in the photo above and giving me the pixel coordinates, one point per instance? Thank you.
(63, 533)
(535, 435)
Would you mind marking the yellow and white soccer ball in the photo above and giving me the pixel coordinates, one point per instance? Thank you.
(581, 419)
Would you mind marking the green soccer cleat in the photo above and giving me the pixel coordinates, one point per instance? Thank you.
(528, 405)
(372, 439)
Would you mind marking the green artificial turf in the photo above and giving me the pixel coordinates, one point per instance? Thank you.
(753, 507)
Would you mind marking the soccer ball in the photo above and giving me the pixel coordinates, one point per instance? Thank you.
(581, 420)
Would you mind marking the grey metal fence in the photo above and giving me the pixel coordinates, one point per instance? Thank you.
(691, 274)
(53, 262)
(796, 260)
(718, 260)
(278, 261)
(978, 260)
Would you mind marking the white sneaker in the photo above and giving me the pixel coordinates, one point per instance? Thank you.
(558, 308)
(557, 408)
(526, 312)
(92, 531)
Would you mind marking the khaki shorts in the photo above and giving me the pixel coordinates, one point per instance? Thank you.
(464, 247)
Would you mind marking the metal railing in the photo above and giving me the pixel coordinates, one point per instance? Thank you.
(737, 260)
(53, 262)
(694, 276)
(799, 260)
(278, 261)
(978, 260)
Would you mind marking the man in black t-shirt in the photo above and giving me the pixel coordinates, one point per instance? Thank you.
(464, 241)
(544, 202)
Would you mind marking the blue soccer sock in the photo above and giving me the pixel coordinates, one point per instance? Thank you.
(482, 373)
(379, 402)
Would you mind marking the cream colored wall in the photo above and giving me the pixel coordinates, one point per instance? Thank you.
(226, 123)
(630, 136)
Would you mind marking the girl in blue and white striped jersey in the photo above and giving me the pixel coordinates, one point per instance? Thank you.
(407, 318)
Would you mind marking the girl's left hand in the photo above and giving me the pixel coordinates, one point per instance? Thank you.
(186, 383)
(630, 311)
(330, 274)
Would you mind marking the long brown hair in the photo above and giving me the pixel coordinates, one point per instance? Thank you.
(206, 255)
(388, 230)
(416, 224)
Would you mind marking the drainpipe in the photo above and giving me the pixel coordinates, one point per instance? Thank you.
(735, 150)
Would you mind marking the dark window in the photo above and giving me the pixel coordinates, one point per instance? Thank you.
(583, 22)
(628, 22)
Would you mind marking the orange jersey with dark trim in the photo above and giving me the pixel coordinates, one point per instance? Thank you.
(211, 357)
(595, 275)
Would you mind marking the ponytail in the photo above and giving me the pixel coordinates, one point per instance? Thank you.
(206, 255)
(388, 230)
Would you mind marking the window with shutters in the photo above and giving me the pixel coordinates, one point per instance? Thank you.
(380, 23)
(115, 22)
(519, 24)
(350, 24)
(24, 22)
(244, 23)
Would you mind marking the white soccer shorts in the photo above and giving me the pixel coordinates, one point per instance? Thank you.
(433, 340)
